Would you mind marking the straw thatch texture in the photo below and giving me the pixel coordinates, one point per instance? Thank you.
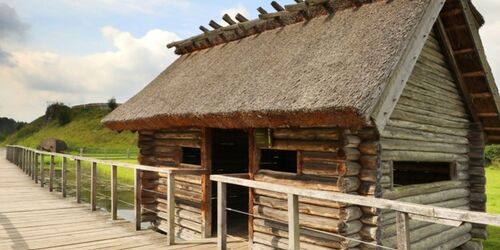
(329, 70)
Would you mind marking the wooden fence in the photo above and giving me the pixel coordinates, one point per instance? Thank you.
(31, 161)
(404, 210)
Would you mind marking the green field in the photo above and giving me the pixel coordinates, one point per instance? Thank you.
(493, 204)
(84, 131)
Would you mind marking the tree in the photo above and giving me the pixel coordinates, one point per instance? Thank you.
(112, 103)
(58, 111)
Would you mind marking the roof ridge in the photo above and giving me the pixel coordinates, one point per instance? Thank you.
(289, 14)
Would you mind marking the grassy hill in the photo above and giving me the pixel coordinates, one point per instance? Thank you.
(84, 131)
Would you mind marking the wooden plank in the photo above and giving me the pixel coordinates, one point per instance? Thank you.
(137, 199)
(42, 170)
(64, 176)
(293, 222)
(51, 173)
(171, 209)
(221, 216)
(114, 192)
(206, 185)
(403, 231)
(78, 181)
(93, 187)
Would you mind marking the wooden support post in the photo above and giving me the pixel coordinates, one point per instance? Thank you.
(78, 181)
(35, 168)
(206, 184)
(137, 198)
(64, 177)
(221, 216)
(93, 186)
(253, 167)
(293, 222)
(171, 209)
(403, 230)
(23, 152)
(51, 174)
(30, 163)
(42, 170)
(114, 192)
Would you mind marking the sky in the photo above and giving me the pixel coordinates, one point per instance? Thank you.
(88, 51)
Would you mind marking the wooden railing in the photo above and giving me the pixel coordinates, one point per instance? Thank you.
(404, 210)
(31, 161)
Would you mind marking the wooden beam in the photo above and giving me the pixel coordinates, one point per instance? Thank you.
(206, 184)
(481, 95)
(262, 10)
(457, 27)
(403, 231)
(114, 192)
(64, 176)
(277, 6)
(228, 19)
(204, 29)
(478, 73)
(137, 199)
(491, 128)
(241, 18)
(221, 216)
(463, 51)
(448, 51)
(293, 222)
(78, 168)
(485, 115)
(93, 187)
(171, 209)
(51, 173)
(214, 24)
(42, 170)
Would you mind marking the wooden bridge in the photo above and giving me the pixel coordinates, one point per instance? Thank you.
(33, 218)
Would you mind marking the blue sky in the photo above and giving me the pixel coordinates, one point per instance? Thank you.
(79, 51)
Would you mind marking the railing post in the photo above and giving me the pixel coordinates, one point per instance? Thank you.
(35, 168)
(64, 177)
(93, 186)
(42, 170)
(78, 195)
(403, 230)
(114, 193)
(137, 198)
(51, 174)
(171, 209)
(30, 163)
(23, 151)
(293, 222)
(221, 216)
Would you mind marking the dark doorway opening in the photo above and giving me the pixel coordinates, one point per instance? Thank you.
(411, 173)
(278, 160)
(230, 155)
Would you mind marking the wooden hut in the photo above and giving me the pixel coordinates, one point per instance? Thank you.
(391, 99)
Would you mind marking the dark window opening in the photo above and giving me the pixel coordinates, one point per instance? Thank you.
(191, 156)
(409, 173)
(279, 160)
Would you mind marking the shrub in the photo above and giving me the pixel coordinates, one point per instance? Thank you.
(58, 111)
(492, 152)
(112, 103)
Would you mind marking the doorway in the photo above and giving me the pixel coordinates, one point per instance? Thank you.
(230, 155)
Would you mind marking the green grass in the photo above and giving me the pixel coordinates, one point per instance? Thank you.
(85, 130)
(493, 204)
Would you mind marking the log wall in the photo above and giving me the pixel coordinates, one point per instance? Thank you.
(328, 159)
(163, 148)
(430, 124)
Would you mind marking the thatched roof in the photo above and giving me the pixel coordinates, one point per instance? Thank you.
(328, 70)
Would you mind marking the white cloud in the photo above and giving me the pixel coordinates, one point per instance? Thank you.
(233, 11)
(41, 76)
(490, 34)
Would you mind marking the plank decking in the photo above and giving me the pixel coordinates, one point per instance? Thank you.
(33, 218)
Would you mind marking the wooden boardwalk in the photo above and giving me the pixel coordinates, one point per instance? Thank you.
(33, 218)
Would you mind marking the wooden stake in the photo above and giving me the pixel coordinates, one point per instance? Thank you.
(293, 222)
(42, 171)
(138, 198)
(78, 181)
(51, 174)
(171, 209)
(403, 230)
(64, 177)
(114, 193)
(93, 186)
(221, 216)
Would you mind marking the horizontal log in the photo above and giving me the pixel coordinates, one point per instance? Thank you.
(417, 135)
(369, 148)
(369, 233)
(331, 169)
(443, 238)
(428, 128)
(423, 146)
(310, 221)
(404, 114)
(402, 155)
(351, 141)
(305, 145)
(180, 213)
(178, 142)
(280, 243)
(195, 226)
(369, 161)
(369, 175)
(305, 200)
(341, 184)
(420, 189)
(345, 214)
(321, 238)
(313, 134)
(351, 154)
(323, 157)
(183, 135)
